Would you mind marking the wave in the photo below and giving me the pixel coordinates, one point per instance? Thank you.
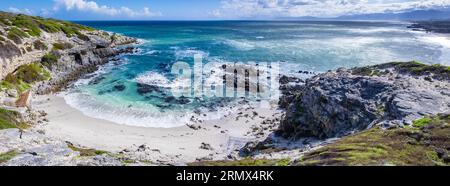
(141, 114)
(104, 69)
(188, 53)
(240, 44)
(373, 30)
(152, 78)
(437, 40)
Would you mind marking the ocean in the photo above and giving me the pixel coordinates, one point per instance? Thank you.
(136, 89)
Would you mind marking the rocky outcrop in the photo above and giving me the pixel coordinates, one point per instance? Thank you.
(67, 50)
(340, 102)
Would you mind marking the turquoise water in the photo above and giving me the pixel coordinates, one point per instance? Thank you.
(136, 89)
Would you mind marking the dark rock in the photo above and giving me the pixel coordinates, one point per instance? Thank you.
(119, 88)
(338, 103)
(143, 89)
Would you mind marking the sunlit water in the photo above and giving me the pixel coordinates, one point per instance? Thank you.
(113, 93)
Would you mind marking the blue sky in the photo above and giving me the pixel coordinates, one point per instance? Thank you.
(209, 9)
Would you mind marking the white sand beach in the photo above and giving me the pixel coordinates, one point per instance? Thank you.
(171, 145)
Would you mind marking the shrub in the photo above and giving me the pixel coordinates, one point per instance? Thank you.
(62, 46)
(32, 73)
(8, 119)
(24, 76)
(48, 60)
(16, 35)
(23, 21)
(4, 157)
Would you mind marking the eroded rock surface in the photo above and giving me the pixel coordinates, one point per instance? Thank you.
(340, 102)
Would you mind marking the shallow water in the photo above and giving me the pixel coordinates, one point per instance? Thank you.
(113, 92)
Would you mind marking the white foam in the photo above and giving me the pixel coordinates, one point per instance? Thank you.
(152, 78)
(437, 40)
(140, 114)
(374, 30)
(189, 53)
(147, 116)
(152, 52)
(240, 44)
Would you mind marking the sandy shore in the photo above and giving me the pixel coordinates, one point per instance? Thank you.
(172, 145)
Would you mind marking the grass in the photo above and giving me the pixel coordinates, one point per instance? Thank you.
(39, 45)
(24, 76)
(35, 25)
(10, 119)
(62, 46)
(48, 60)
(244, 162)
(7, 156)
(86, 152)
(422, 122)
(27, 23)
(415, 145)
(16, 35)
(418, 68)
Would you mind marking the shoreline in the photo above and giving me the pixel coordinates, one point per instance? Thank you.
(171, 145)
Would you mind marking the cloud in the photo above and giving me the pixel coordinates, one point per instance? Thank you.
(318, 8)
(92, 6)
(20, 11)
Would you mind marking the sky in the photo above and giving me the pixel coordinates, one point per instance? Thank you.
(210, 9)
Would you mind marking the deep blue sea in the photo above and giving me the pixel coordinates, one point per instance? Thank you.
(115, 92)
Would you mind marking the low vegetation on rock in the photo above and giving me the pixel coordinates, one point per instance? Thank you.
(426, 143)
(10, 119)
(24, 76)
(84, 151)
(33, 26)
(4, 157)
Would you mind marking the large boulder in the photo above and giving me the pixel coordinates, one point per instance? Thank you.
(340, 102)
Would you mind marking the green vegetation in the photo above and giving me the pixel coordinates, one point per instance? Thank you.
(413, 67)
(39, 45)
(417, 68)
(244, 162)
(62, 46)
(26, 23)
(48, 60)
(424, 143)
(10, 119)
(7, 156)
(86, 152)
(24, 76)
(422, 122)
(368, 71)
(35, 25)
(16, 35)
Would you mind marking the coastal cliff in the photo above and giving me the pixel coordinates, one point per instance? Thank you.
(40, 56)
(45, 55)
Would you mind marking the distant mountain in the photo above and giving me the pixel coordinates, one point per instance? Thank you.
(414, 15)
(417, 15)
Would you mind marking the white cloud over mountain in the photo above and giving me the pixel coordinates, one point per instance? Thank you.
(93, 7)
(20, 11)
(318, 8)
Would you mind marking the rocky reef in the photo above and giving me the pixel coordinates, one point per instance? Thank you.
(431, 26)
